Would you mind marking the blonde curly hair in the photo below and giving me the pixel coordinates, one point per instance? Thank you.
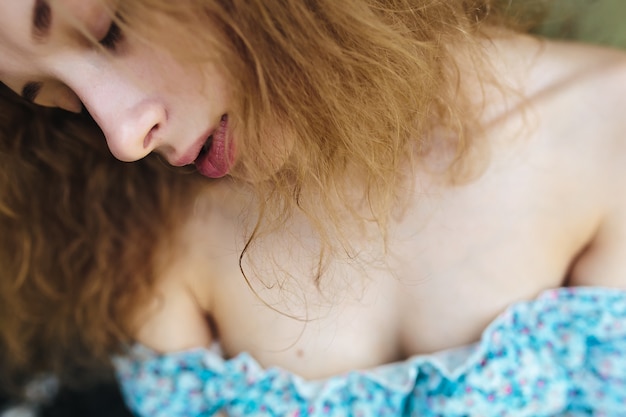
(359, 85)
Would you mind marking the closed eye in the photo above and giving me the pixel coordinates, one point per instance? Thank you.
(42, 19)
(113, 37)
(51, 94)
(31, 90)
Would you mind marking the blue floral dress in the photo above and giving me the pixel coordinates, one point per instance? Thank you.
(562, 354)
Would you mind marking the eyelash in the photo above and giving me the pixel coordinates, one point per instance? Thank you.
(113, 37)
(30, 91)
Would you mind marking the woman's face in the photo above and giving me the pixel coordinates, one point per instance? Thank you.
(141, 97)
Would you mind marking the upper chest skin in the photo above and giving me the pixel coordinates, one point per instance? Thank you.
(452, 265)
(456, 258)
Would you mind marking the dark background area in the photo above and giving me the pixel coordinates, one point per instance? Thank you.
(102, 400)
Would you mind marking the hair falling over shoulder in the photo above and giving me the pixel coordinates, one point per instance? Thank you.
(353, 86)
(77, 245)
(327, 90)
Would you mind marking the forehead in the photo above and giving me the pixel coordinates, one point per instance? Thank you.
(19, 49)
(15, 33)
(15, 19)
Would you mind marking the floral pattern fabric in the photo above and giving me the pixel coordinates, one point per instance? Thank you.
(562, 354)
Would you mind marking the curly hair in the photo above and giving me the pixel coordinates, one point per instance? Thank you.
(356, 85)
(78, 237)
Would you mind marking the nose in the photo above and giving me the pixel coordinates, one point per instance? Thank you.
(132, 131)
(131, 117)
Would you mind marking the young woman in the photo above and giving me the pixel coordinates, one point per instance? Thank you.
(388, 178)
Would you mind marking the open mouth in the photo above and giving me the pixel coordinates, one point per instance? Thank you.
(216, 156)
(206, 147)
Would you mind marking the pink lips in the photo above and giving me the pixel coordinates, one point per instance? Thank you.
(218, 159)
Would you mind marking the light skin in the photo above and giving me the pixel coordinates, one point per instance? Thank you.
(547, 210)
(141, 98)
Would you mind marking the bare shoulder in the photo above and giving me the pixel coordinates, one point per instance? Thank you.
(569, 102)
(201, 249)
(173, 322)
(596, 74)
(174, 319)
(580, 93)
(573, 94)
(569, 92)
(541, 68)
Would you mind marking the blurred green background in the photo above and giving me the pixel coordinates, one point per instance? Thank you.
(596, 21)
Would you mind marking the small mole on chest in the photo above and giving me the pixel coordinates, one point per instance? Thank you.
(300, 353)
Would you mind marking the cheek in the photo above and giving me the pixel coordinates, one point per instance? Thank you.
(91, 14)
(158, 70)
(215, 86)
(267, 155)
(199, 89)
(195, 94)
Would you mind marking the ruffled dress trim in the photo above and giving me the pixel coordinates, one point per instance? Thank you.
(562, 354)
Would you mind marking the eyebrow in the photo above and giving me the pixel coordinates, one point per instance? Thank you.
(30, 91)
(42, 20)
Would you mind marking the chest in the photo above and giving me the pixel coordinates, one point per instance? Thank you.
(449, 269)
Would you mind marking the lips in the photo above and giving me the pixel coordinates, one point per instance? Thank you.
(216, 156)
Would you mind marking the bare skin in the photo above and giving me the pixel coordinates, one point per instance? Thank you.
(548, 210)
